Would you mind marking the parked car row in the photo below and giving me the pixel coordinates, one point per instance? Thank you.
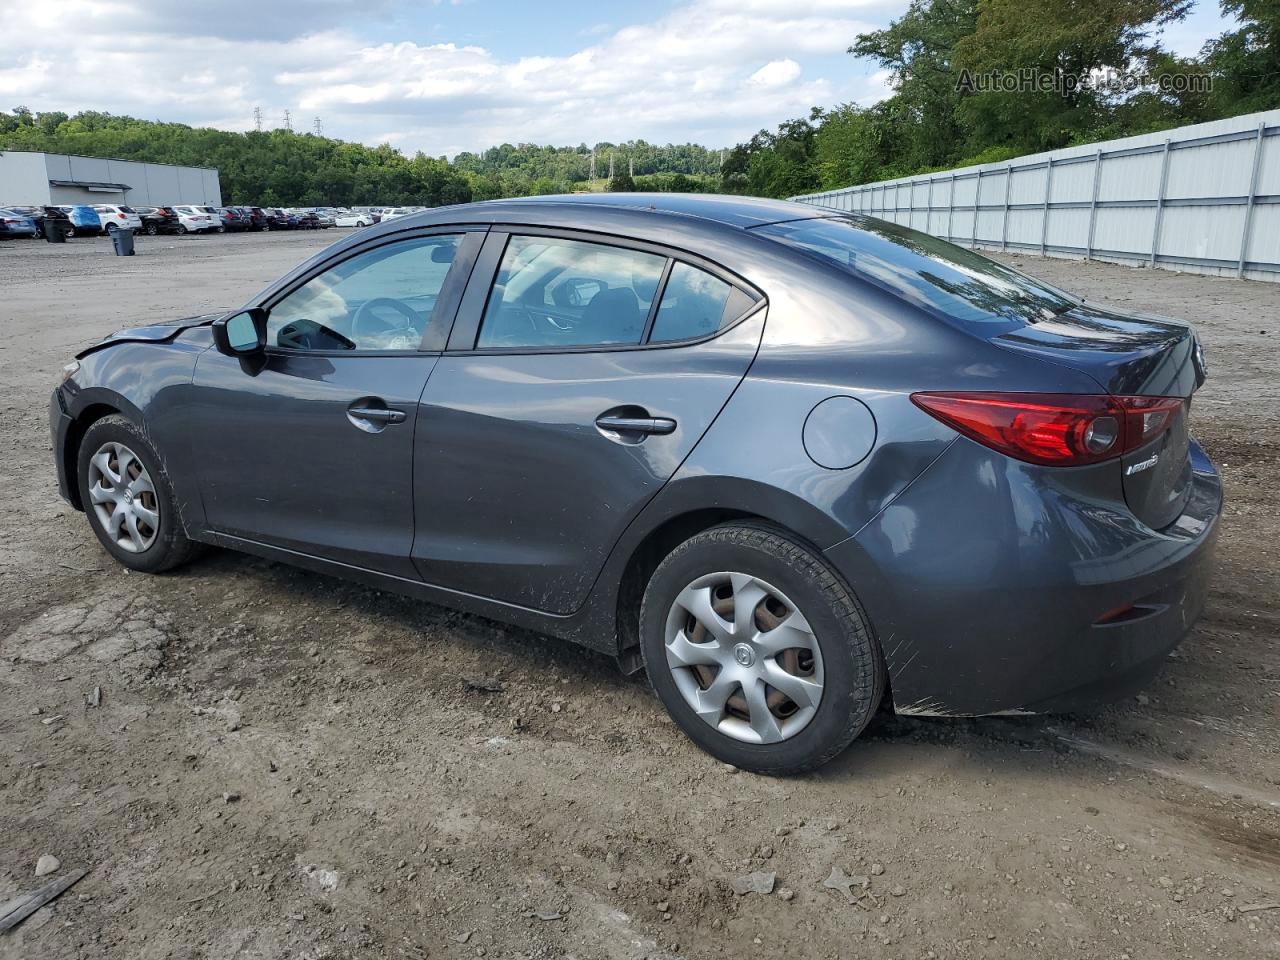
(76, 220)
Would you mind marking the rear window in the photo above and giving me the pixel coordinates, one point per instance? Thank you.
(694, 304)
(953, 282)
(126, 209)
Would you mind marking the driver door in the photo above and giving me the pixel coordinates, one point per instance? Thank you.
(314, 452)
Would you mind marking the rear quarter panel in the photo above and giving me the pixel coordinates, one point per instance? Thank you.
(828, 336)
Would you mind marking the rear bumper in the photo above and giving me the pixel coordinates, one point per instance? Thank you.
(987, 580)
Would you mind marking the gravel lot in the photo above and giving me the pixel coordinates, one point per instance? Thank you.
(284, 765)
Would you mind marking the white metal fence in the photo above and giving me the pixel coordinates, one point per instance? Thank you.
(1202, 198)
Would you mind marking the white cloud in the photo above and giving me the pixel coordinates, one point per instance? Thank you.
(775, 73)
(694, 73)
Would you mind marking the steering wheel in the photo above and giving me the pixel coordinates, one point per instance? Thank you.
(365, 319)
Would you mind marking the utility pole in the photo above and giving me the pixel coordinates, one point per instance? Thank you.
(319, 129)
(631, 166)
(257, 119)
(288, 121)
(592, 178)
(610, 164)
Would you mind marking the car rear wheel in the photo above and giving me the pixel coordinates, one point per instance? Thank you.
(181, 230)
(111, 228)
(759, 650)
(151, 229)
(127, 498)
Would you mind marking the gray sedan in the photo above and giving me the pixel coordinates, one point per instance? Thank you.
(792, 462)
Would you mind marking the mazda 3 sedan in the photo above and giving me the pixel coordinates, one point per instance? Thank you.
(789, 461)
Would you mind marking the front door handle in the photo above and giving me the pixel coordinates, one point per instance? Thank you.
(372, 415)
(380, 414)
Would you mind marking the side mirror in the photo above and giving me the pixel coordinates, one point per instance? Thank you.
(241, 334)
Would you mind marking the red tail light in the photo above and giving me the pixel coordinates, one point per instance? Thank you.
(1053, 429)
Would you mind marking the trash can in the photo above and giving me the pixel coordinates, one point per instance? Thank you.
(123, 242)
(53, 231)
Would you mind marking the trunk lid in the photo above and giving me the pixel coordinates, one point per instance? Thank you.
(1130, 355)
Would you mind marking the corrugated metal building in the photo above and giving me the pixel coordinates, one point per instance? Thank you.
(1202, 198)
(50, 178)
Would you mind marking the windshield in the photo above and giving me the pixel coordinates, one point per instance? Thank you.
(953, 282)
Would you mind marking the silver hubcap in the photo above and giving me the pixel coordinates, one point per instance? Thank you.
(124, 498)
(744, 658)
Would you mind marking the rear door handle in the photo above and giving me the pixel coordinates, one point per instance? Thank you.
(380, 414)
(646, 425)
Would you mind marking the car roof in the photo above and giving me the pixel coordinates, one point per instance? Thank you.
(714, 210)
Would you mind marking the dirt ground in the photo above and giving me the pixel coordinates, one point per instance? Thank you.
(285, 765)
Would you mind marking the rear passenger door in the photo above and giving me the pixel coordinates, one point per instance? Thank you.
(579, 375)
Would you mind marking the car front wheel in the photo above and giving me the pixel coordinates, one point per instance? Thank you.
(759, 650)
(127, 498)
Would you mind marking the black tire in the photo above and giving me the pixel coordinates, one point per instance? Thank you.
(151, 229)
(853, 666)
(111, 229)
(170, 546)
(180, 230)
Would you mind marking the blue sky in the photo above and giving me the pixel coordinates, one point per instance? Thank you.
(448, 76)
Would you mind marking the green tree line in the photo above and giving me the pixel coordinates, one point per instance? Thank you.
(283, 168)
(938, 117)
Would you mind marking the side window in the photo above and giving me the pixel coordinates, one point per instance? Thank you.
(569, 293)
(381, 299)
(693, 305)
